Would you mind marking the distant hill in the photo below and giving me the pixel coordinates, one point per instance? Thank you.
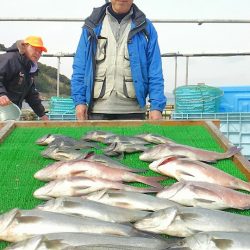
(46, 81)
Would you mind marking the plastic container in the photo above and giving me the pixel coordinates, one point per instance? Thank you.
(197, 99)
(235, 126)
(235, 99)
(10, 112)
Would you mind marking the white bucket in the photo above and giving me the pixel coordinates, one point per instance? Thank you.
(10, 112)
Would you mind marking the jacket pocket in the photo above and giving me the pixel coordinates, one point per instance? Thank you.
(128, 85)
(99, 87)
(101, 49)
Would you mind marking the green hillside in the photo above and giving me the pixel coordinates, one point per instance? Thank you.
(46, 81)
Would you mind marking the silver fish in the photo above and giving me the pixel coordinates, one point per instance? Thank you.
(70, 241)
(64, 141)
(18, 225)
(165, 150)
(118, 148)
(189, 170)
(124, 139)
(63, 154)
(130, 200)
(85, 168)
(77, 186)
(97, 135)
(214, 241)
(93, 209)
(111, 162)
(154, 138)
(186, 221)
(206, 195)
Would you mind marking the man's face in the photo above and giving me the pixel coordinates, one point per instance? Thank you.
(121, 6)
(33, 53)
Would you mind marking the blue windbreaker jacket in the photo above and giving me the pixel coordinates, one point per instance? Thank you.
(145, 60)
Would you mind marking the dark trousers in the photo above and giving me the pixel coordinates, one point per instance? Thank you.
(100, 116)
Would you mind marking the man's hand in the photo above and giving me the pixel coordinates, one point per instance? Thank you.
(82, 112)
(4, 100)
(155, 115)
(44, 118)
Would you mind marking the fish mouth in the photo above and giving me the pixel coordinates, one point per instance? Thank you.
(7, 218)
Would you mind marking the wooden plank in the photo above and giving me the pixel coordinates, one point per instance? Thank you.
(241, 162)
(6, 130)
(112, 123)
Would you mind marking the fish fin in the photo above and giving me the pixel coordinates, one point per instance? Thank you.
(180, 172)
(205, 201)
(232, 151)
(28, 219)
(189, 216)
(202, 190)
(55, 244)
(70, 204)
(168, 159)
(151, 181)
(222, 243)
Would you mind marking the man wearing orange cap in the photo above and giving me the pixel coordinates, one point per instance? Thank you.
(18, 66)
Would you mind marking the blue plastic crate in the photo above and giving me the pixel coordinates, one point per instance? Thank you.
(197, 99)
(60, 105)
(235, 99)
(235, 126)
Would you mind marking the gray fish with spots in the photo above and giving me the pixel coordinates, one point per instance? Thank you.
(154, 138)
(93, 209)
(73, 241)
(97, 135)
(130, 200)
(64, 141)
(214, 241)
(186, 221)
(18, 225)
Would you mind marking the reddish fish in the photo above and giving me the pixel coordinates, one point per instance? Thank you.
(165, 150)
(189, 170)
(89, 169)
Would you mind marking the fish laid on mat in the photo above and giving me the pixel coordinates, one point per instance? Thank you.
(186, 221)
(130, 200)
(206, 195)
(154, 138)
(70, 241)
(189, 170)
(165, 150)
(64, 141)
(77, 186)
(92, 209)
(111, 162)
(124, 139)
(89, 169)
(214, 241)
(119, 148)
(17, 225)
(63, 153)
(97, 135)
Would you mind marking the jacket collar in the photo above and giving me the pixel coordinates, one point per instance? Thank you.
(98, 14)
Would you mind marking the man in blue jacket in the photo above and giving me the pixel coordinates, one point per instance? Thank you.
(118, 65)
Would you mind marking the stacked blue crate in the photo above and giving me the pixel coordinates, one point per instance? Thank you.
(61, 109)
(233, 113)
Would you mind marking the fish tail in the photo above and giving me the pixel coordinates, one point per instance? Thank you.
(232, 151)
(244, 186)
(151, 181)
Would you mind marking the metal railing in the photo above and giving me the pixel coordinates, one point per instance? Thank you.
(175, 55)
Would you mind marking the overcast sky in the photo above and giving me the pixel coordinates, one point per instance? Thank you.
(183, 38)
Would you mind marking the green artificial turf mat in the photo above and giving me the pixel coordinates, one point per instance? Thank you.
(20, 158)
